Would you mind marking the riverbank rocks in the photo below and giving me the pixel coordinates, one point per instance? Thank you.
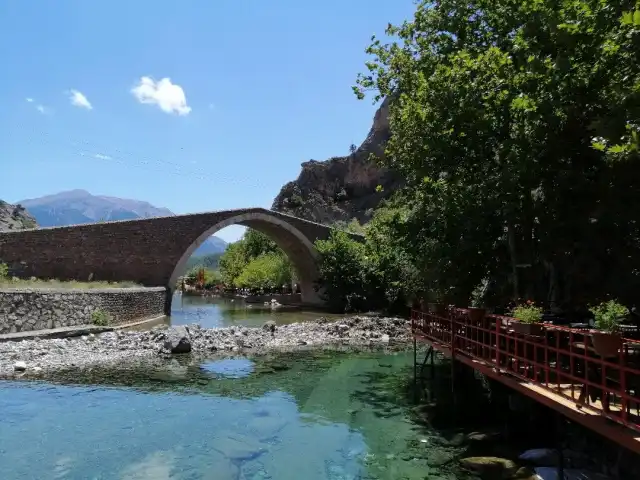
(122, 347)
(269, 326)
(177, 340)
(20, 366)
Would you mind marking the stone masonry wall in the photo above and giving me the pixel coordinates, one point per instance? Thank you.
(39, 309)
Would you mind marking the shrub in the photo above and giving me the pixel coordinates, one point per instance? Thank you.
(527, 313)
(342, 268)
(100, 318)
(4, 270)
(608, 316)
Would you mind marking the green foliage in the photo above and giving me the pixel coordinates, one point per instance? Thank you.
(527, 313)
(100, 318)
(232, 262)
(516, 126)
(353, 226)
(255, 258)
(342, 268)
(212, 277)
(4, 270)
(256, 243)
(267, 271)
(608, 315)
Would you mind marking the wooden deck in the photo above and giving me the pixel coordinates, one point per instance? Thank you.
(554, 369)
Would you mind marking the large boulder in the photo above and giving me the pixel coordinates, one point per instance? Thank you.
(177, 340)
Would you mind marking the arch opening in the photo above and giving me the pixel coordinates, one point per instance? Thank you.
(296, 246)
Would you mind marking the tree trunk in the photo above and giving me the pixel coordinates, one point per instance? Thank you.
(513, 255)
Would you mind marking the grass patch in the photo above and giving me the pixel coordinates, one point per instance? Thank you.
(100, 318)
(59, 284)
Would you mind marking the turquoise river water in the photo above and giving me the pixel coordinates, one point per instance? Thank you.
(303, 415)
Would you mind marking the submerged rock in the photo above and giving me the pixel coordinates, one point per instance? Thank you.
(492, 467)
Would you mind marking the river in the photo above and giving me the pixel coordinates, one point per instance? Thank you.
(214, 312)
(320, 415)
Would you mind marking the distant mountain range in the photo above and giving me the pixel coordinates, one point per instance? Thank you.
(79, 206)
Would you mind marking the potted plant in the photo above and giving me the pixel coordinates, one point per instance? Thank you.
(528, 319)
(477, 312)
(606, 339)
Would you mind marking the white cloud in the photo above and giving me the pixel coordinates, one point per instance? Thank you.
(78, 99)
(100, 156)
(170, 97)
(29, 99)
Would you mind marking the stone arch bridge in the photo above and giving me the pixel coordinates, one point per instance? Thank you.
(153, 251)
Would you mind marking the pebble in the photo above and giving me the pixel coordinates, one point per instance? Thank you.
(120, 347)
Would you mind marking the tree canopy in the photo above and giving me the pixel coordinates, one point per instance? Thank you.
(255, 261)
(515, 123)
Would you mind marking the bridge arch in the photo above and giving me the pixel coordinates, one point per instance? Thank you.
(295, 244)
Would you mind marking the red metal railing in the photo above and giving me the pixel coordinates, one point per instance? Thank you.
(560, 360)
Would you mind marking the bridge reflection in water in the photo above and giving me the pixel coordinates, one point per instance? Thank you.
(558, 368)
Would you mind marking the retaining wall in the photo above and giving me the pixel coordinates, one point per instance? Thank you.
(38, 309)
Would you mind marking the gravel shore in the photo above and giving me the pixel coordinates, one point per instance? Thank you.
(36, 357)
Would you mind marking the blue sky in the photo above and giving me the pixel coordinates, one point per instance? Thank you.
(194, 106)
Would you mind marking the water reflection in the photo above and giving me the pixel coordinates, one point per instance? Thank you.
(229, 367)
(213, 312)
(325, 415)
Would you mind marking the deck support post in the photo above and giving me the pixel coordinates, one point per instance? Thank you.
(415, 370)
(560, 441)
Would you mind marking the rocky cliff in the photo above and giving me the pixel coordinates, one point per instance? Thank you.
(15, 217)
(343, 188)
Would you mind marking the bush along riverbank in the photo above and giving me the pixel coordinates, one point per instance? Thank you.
(36, 357)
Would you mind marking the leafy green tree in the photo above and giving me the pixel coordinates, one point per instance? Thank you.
(353, 226)
(212, 278)
(232, 262)
(240, 255)
(267, 271)
(516, 125)
(343, 272)
(256, 243)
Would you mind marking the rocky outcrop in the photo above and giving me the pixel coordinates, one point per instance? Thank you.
(343, 188)
(15, 217)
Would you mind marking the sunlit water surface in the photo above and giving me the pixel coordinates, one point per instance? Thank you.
(213, 312)
(302, 416)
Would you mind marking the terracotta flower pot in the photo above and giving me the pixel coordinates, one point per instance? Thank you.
(534, 329)
(606, 344)
(476, 315)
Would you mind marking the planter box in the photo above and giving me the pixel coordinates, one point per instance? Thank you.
(606, 344)
(476, 315)
(534, 329)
